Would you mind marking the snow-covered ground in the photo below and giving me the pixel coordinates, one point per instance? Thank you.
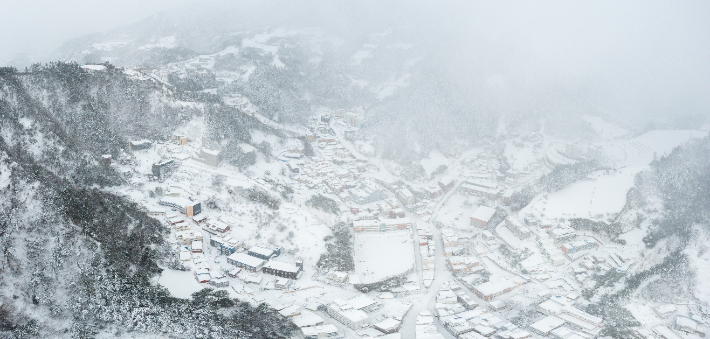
(299, 231)
(382, 255)
(598, 197)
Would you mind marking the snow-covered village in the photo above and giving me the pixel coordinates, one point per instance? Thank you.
(354, 169)
(339, 243)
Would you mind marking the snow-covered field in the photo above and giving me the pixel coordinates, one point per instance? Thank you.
(382, 255)
(596, 198)
(181, 284)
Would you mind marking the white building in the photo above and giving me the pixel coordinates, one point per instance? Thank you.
(346, 314)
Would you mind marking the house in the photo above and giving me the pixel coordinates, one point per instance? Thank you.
(216, 226)
(282, 269)
(307, 319)
(185, 256)
(181, 227)
(196, 246)
(174, 218)
(202, 275)
(388, 326)
(156, 213)
(183, 205)
(546, 325)
(446, 184)
(219, 281)
(433, 191)
(180, 139)
(246, 262)
(517, 227)
(140, 144)
(492, 289)
(481, 216)
(233, 273)
(337, 277)
(317, 332)
(188, 237)
(262, 253)
(466, 301)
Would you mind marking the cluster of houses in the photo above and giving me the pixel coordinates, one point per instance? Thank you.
(461, 316)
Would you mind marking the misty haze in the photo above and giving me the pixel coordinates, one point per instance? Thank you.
(354, 169)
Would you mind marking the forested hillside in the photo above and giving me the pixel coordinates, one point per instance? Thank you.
(77, 261)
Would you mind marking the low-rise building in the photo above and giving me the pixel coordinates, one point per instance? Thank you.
(688, 325)
(381, 225)
(492, 289)
(388, 325)
(337, 277)
(507, 196)
(405, 196)
(140, 144)
(180, 139)
(343, 312)
(482, 215)
(183, 205)
(246, 262)
(282, 269)
(262, 253)
(578, 245)
(318, 332)
(482, 188)
(563, 233)
(517, 227)
(196, 246)
(665, 333)
(216, 226)
(546, 325)
(162, 168)
(446, 184)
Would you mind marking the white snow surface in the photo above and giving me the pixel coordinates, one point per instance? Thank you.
(595, 198)
(382, 255)
(181, 284)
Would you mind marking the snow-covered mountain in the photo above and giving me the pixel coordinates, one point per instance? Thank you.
(77, 259)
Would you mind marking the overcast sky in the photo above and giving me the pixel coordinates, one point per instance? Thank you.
(644, 55)
(38, 27)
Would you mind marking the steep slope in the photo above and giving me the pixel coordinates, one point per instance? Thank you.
(77, 261)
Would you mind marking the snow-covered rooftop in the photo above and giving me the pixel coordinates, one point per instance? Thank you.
(483, 213)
